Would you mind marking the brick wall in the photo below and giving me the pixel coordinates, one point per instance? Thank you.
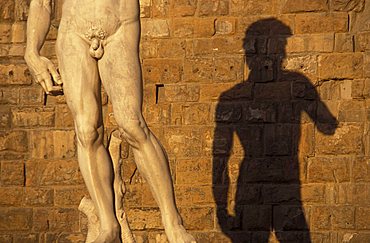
(262, 106)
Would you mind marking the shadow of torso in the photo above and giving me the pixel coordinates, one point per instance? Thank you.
(259, 151)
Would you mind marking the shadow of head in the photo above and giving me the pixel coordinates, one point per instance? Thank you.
(265, 44)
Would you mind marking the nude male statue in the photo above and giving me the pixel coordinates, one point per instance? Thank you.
(98, 41)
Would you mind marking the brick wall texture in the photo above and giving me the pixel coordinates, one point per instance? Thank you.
(263, 107)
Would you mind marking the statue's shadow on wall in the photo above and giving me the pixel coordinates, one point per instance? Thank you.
(257, 169)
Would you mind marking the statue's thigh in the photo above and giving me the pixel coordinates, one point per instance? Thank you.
(80, 78)
(120, 73)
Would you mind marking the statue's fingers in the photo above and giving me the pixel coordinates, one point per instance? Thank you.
(48, 82)
(55, 74)
(43, 85)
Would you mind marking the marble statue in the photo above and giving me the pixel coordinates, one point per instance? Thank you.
(98, 41)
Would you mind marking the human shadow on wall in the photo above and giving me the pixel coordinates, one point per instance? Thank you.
(256, 150)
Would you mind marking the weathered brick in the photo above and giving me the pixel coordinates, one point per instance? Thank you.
(328, 170)
(14, 74)
(228, 45)
(31, 96)
(171, 48)
(313, 193)
(5, 32)
(7, 10)
(362, 41)
(161, 71)
(183, 8)
(188, 172)
(343, 217)
(306, 65)
(351, 194)
(360, 88)
(361, 170)
(157, 114)
(155, 28)
(197, 218)
(343, 42)
(310, 43)
(49, 173)
(212, 92)
(63, 117)
(352, 111)
(193, 195)
(199, 70)
(6, 238)
(179, 93)
(5, 118)
(202, 27)
(199, 47)
(66, 237)
(321, 23)
(354, 237)
(295, 6)
(321, 218)
(26, 238)
(52, 144)
(225, 26)
(160, 8)
(250, 7)
(145, 8)
(228, 69)
(182, 28)
(346, 65)
(61, 219)
(196, 114)
(15, 219)
(347, 139)
(12, 173)
(14, 141)
(33, 117)
(39, 197)
(144, 218)
(367, 65)
(148, 49)
(347, 5)
(11, 196)
(319, 43)
(139, 194)
(13, 50)
(70, 196)
(213, 8)
(19, 32)
(176, 142)
(362, 218)
(21, 9)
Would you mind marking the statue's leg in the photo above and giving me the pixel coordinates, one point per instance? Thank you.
(121, 76)
(82, 91)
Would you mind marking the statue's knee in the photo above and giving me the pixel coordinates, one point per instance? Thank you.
(134, 131)
(87, 135)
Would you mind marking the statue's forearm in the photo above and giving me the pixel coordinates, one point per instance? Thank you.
(38, 25)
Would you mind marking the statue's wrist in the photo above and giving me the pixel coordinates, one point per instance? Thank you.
(31, 54)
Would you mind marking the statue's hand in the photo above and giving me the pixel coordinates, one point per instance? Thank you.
(44, 73)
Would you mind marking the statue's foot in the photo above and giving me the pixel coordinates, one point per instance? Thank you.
(112, 236)
(178, 234)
